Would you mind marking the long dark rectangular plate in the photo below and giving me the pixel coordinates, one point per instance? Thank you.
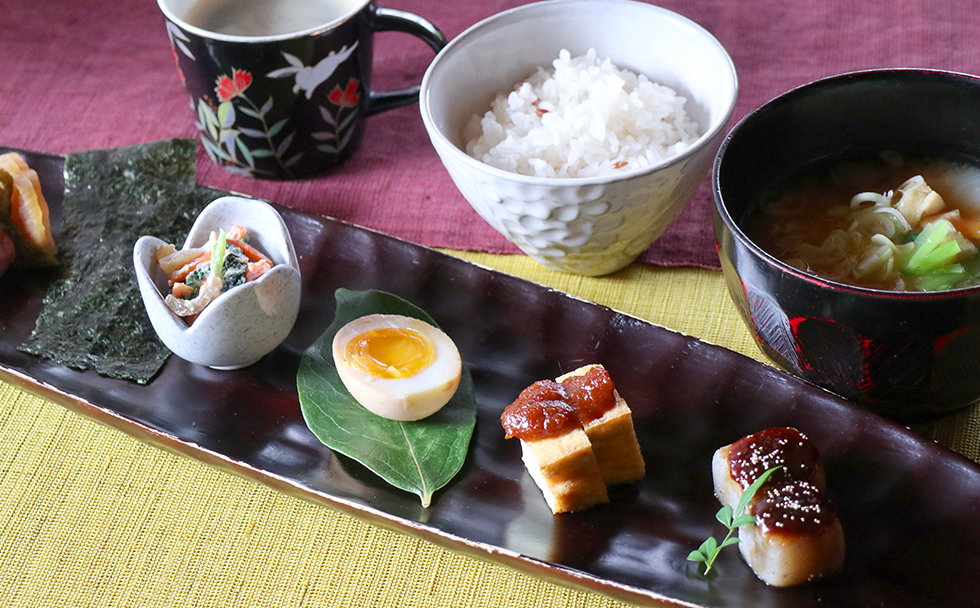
(910, 508)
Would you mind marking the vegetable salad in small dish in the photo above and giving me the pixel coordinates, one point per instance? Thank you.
(231, 294)
(198, 275)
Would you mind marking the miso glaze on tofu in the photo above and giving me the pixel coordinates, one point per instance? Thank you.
(796, 536)
(576, 436)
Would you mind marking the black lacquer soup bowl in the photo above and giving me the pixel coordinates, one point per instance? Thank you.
(909, 355)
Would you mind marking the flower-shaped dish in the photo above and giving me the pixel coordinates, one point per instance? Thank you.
(248, 321)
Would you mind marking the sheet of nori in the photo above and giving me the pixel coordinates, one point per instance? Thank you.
(93, 315)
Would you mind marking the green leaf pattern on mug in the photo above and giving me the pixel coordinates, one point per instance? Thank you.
(179, 40)
(224, 139)
(337, 138)
(235, 131)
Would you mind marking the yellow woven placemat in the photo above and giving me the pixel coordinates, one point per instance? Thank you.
(90, 517)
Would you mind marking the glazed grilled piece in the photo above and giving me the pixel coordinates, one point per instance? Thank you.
(610, 430)
(24, 216)
(797, 536)
(576, 436)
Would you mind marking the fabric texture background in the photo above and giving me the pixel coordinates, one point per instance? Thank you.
(87, 74)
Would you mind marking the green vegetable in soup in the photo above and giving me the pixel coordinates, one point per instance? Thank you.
(867, 223)
(931, 252)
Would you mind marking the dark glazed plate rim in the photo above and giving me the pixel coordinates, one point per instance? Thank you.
(908, 505)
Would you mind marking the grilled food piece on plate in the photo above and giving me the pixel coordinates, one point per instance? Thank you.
(576, 436)
(797, 536)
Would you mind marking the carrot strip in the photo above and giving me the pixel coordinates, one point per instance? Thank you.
(250, 252)
(181, 289)
(968, 227)
(179, 275)
(254, 270)
(236, 232)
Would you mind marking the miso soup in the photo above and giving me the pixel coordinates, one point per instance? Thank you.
(886, 221)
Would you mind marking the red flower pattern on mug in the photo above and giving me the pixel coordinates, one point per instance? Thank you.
(345, 98)
(234, 86)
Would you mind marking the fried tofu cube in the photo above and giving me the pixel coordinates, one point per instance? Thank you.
(566, 471)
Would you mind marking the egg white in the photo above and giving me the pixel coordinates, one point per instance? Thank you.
(411, 398)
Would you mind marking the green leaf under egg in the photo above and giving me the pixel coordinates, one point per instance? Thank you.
(418, 457)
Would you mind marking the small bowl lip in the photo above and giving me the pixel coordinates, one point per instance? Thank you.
(787, 97)
(715, 128)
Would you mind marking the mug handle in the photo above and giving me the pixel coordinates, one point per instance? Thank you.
(392, 20)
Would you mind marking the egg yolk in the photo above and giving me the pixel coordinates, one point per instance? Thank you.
(390, 352)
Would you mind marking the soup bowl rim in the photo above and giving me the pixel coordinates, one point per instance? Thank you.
(731, 226)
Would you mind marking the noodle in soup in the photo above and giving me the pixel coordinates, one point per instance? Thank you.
(884, 222)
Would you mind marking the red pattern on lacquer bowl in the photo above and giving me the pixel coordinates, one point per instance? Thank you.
(837, 357)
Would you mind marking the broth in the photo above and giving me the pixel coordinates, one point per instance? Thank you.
(883, 222)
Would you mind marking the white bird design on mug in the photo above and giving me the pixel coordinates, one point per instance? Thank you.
(309, 78)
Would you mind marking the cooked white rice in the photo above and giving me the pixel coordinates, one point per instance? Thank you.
(583, 118)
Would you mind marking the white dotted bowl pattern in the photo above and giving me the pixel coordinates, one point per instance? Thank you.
(584, 229)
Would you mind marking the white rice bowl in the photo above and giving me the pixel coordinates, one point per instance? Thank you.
(583, 118)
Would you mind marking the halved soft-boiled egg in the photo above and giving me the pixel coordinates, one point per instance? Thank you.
(397, 367)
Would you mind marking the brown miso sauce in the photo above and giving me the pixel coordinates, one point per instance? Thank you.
(795, 507)
(548, 408)
(755, 454)
(789, 502)
(591, 394)
(541, 410)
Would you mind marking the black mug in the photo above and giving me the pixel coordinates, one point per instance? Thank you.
(280, 88)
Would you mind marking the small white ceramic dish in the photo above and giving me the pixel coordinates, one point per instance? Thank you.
(589, 226)
(245, 323)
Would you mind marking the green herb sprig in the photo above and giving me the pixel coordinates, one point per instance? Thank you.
(218, 254)
(731, 519)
